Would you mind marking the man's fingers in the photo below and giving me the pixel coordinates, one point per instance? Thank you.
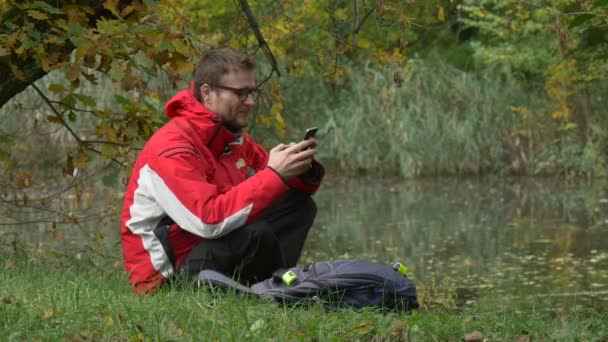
(279, 147)
(305, 154)
(304, 144)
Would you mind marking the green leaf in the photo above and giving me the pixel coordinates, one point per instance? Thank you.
(109, 150)
(580, 19)
(38, 15)
(601, 3)
(116, 73)
(4, 156)
(45, 7)
(56, 88)
(108, 27)
(86, 100)
(123, 101)
(72, 116)
(110, 180)
(69, 101)
(164, 45)
(4, 139)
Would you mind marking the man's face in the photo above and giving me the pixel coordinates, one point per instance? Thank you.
(224, 99)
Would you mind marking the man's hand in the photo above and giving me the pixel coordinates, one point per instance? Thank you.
(293, 159)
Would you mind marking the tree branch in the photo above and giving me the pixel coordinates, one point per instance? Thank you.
(358, 27)
(70, 130)
(253, 23)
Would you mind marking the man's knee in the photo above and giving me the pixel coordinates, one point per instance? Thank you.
(299, 205)
(309, 209)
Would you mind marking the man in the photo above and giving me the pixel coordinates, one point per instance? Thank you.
(204, 195)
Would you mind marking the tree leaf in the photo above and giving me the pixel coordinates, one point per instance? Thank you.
(601, 3)
(181, 64)
(4, 156)
(17, 72)
(110, 180)
(117, 72)
(440, 13)
(109, 150)
(73, 73)
(164, 45)
(56, 88)
(86, 100)
(580, 19)
(37, 15)
(110, 5)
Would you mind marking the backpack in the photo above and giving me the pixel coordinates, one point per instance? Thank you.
(333, 283)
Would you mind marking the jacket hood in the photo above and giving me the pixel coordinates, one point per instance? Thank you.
(208, 125)
(185, 104)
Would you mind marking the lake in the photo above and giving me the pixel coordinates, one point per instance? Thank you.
(534, 244)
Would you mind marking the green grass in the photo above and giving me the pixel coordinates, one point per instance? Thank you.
(443, 121)
(75, 300)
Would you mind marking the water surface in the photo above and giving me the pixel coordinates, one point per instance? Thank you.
(523, 243)
(512, 242)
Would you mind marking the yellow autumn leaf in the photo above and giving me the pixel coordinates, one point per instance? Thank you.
(276, 91)
(440, 13)
(44, 60)
(37, 15)
(182, 65)
(56, 88)
(280, 123)
(110, 5)
(17, 72)
(341, 14)
(127, 10)
(276, 109)
(109, 321)
(73, 73)
(47, 314)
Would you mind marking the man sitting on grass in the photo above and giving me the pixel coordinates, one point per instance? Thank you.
(204, 195)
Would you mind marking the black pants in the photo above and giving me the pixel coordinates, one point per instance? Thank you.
(254, 251)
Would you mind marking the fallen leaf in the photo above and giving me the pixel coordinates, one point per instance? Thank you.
(47, 314)
(362, 326)
(474, 336)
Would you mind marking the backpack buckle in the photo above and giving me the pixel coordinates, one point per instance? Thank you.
(401, 268)
(289, 277)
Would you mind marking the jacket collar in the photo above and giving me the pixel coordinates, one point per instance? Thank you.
(206, 125)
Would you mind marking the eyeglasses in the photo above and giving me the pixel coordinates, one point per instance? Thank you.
(241, 93)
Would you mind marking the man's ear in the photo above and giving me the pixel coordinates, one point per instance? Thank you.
(205, 90)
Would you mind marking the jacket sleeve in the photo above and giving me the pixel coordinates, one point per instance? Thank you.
(308, 183)
(181, 189)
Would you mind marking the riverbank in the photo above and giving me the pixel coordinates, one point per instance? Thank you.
(81, 301)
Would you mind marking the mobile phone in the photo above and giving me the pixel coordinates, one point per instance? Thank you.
(310, 133)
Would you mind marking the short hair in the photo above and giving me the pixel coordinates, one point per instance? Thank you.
(217, 63)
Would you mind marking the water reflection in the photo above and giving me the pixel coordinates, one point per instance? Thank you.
(540, 242)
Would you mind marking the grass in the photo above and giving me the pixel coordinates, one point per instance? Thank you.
(443, 121)
(69, 300)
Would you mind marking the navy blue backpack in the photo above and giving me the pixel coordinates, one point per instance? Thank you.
(333, 283)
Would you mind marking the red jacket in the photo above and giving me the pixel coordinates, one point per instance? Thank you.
(205, 178)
